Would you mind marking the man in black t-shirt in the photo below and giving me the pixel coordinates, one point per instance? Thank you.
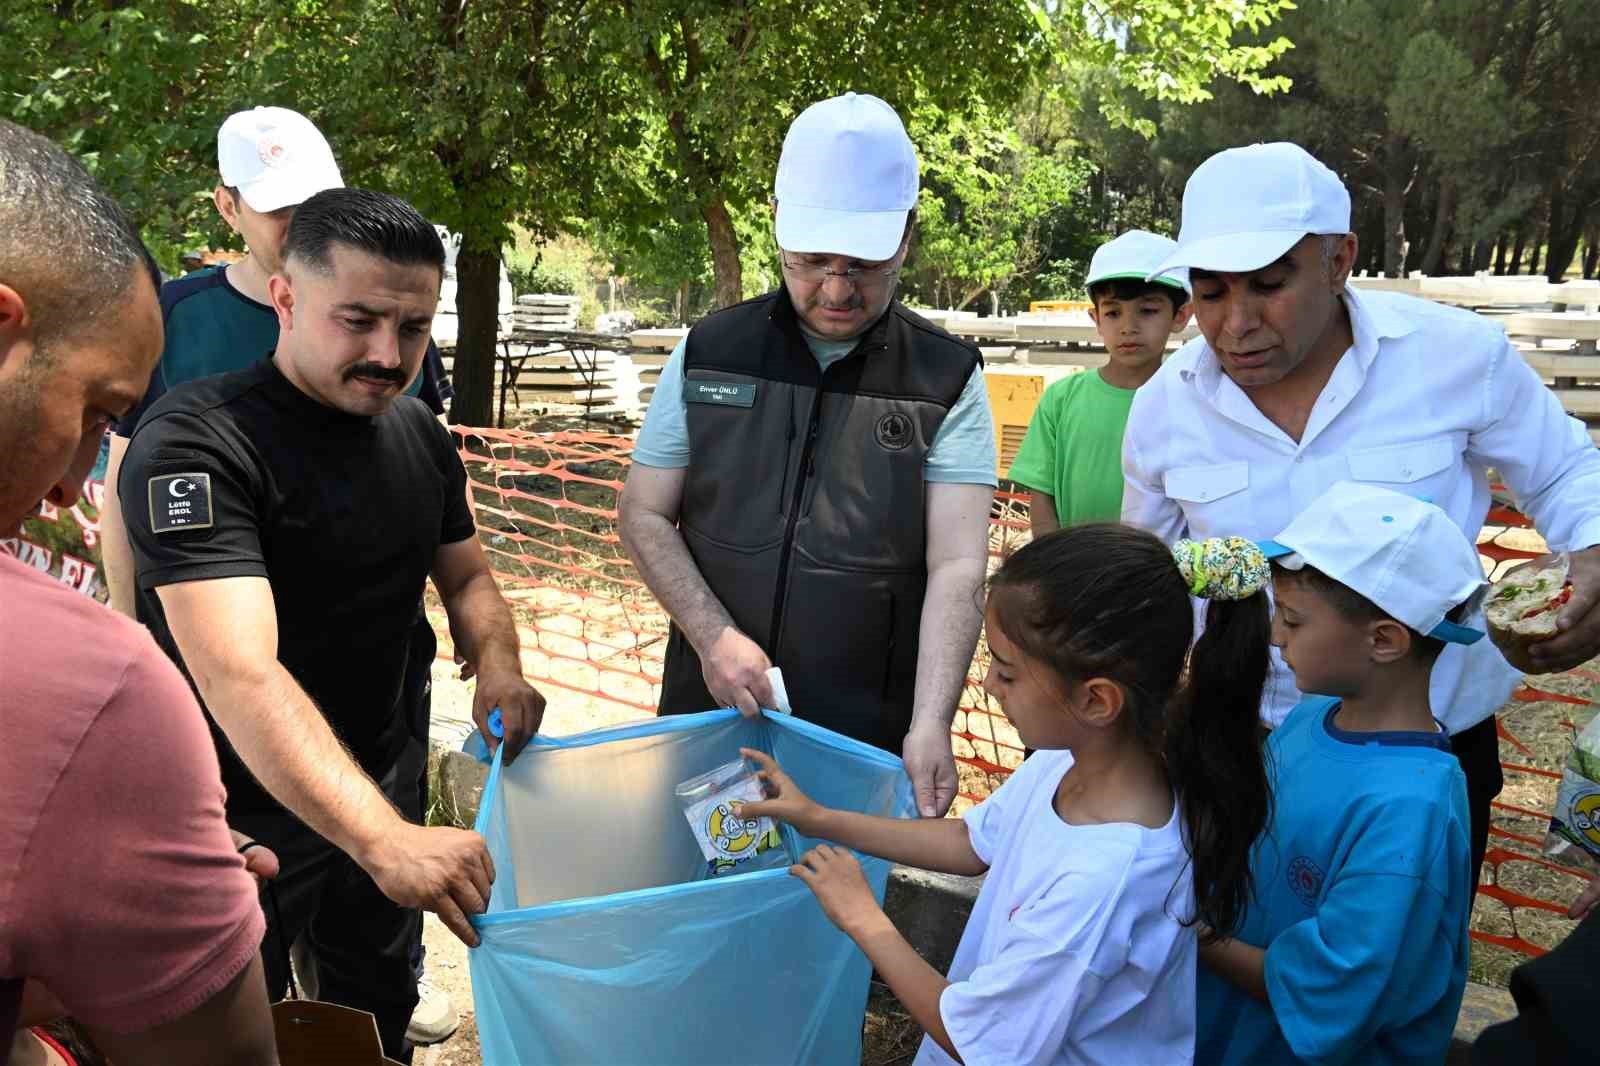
(283, 520)
(269, 160)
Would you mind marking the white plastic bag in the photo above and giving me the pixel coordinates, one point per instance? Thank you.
(1574, 837)
(728, 840)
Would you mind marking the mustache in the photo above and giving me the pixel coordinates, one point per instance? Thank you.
(376, 372)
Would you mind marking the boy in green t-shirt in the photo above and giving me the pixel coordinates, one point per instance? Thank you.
(1072, 455)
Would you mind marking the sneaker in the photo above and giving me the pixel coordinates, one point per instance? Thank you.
(435, 1017)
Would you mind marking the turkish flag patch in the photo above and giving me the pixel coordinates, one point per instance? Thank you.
(179, 502)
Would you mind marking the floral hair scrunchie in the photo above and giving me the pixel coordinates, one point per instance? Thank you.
(1222, 568)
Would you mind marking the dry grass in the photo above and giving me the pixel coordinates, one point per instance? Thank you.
(1545, 729)
(889, 1036)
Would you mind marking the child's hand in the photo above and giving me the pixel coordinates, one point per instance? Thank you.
(785, 802)
(840, 886)
(1586, 901)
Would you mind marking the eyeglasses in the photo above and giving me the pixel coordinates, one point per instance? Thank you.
(812, 270)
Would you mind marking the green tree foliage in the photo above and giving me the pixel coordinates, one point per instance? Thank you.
(137, 94)
(1465, 130)
(723, 81)
(636, 122)
(988, 195)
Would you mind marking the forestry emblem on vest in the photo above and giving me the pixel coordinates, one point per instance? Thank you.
(894, 431)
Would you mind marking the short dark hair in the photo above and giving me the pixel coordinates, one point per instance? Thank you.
(372, 222)
(1354, 607)
(65, 246)
(1136, 289)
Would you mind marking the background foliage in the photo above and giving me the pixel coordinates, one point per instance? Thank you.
(624, 149)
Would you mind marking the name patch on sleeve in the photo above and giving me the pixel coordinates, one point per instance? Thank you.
(729, 393)
(180, 501)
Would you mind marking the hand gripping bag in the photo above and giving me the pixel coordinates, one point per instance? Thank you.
(604, 941)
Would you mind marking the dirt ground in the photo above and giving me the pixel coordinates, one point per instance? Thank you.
(1545, 729)
(447, 967)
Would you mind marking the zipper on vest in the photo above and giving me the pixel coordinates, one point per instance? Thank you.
(801, 478)
(788, 449)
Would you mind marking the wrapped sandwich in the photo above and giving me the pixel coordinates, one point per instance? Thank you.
(1521, 609)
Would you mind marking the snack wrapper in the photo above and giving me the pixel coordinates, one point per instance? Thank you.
(1574, 836)
(729, 842)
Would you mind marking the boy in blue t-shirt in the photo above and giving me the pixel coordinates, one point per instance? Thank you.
(1354, 948)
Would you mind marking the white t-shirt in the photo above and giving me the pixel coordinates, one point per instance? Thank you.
(1073, 953)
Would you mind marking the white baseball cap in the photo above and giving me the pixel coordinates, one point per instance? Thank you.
(1245, 207)
(275, 157)
(847, 179)
(1403, 554)
(1134, 255)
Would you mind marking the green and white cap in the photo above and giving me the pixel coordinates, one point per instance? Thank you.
(1136, 254)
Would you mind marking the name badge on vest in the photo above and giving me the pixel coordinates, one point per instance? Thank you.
(180, 501)
(726, 393)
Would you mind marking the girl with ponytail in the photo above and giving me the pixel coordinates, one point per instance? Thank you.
(1124, 836)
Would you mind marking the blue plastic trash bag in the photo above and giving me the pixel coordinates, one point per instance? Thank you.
(604, 940)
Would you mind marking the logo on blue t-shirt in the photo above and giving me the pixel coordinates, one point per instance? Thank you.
(1305, 880)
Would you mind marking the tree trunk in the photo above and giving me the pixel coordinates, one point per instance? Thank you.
(1538, 246)
(1480, 256)
(1500, 255)
(1591, 258)
(1368, 226)
(724, 252)
(1566, 229)
(1395, 178)
(1517, 248)
(1443, 216)
(1562, 250)
(683, 302)
(478, 307)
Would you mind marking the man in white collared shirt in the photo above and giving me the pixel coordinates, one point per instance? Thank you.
(1299, 381)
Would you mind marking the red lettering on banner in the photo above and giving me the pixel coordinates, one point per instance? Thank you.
(28, 553)
(77, 574)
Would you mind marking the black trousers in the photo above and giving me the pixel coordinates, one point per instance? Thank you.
(362, 941)
(413, 760)
(1557, 997)
(413, 764)
(1478, 751)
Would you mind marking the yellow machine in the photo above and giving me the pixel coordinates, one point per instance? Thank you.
(1012, 399)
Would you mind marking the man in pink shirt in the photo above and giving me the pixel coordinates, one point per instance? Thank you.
(107, 772)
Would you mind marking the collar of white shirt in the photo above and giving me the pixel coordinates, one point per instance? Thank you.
(1370, 323)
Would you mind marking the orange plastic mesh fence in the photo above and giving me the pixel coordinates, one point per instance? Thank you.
(1520, 880)
(547, 515)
